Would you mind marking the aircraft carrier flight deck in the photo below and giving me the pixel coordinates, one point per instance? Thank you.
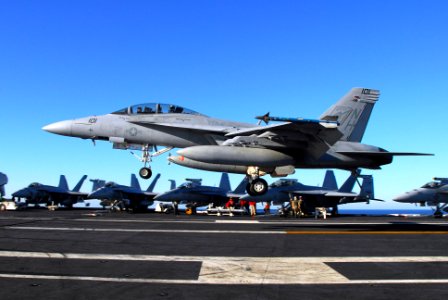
(94, 254)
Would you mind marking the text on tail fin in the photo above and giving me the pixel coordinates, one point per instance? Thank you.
(352, 112)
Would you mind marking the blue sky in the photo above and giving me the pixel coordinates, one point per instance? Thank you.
(227, 59)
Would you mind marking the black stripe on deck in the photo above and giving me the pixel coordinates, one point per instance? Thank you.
(180, 270)
(391, 270)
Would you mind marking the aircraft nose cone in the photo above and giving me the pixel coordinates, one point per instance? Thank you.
(62, 128)
(23, 193)
(408, 197)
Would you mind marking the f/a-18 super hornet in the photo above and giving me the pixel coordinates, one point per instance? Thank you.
(433, 193)
(37, 193)
(125, 197)
(332, 141)
(328, 195)
(194, 194)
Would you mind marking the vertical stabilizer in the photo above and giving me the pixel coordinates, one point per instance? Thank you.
(172, 184)
(367, 189)
(153, 183)
(348, 185)
(241, 188)
(63, 183)
(225, 182)
(330, 181)
(3, 182)
(79, 184)
(134, 182)
(353, 112)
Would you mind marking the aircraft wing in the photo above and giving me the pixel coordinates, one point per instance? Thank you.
(330, 133)
(322, 193)
(77, 194)
(314, 137)
(208, 193)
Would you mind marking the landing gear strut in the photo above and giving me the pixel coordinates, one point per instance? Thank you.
(146, 171)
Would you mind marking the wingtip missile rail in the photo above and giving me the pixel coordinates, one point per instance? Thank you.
(326, 123)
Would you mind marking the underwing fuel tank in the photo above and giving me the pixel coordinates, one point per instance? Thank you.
(189, 163)
(243, 156)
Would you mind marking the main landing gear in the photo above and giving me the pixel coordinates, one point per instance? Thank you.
(147, 156)
(440, 209)
(256, 186)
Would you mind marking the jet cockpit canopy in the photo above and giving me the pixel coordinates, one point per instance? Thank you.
(110, 184)
(284, 182)
(190, 182)
(35, 184)
(155, 108)
(432, 185)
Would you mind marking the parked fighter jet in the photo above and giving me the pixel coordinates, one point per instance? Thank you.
(332, 141)
(37, 193)
(3, 182)
(313, 196)
(434, 193)
(194, 194)
(125, 197)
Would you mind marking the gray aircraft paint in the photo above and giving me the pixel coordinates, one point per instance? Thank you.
(434, 193)
(235, 147)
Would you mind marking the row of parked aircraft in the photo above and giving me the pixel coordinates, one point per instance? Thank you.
(194, 194)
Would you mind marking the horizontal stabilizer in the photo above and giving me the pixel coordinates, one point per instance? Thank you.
(387, 154)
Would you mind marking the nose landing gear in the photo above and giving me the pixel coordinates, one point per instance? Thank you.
(147, 156)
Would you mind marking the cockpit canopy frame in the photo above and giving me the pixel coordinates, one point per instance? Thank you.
(155, 108)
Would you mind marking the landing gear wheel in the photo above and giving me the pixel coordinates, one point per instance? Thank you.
(145, 173)
(258, 187)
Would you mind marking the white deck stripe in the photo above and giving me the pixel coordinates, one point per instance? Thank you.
(319, 222)
(174, 281)
(86, 229)
(237, 270)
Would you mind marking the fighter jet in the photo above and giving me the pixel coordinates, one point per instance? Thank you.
(434, 193)
(194, 194)
(314, 196)
(37, 193)
(332, 141)
(3, 182)
(131, 197)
